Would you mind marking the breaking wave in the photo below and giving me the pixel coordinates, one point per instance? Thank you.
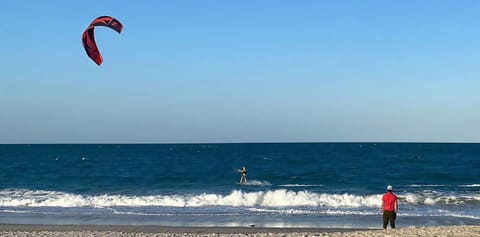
(236, 198)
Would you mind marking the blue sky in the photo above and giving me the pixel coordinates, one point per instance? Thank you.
(241, 71)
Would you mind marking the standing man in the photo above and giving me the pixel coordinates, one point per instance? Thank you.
(243, 178)
(389, 207)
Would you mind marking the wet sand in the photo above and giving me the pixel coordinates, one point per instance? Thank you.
(158, 231)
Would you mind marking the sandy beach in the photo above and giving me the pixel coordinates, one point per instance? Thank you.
(147, 231)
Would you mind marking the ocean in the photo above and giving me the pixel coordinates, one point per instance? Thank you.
(324, 185)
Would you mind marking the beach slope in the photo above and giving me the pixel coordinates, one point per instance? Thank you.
(147, 231)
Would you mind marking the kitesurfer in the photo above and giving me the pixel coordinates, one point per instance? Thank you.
(243, 178)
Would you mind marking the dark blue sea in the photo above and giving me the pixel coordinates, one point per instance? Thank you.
(289, 184)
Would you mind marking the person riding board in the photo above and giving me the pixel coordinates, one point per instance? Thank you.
(243, 178)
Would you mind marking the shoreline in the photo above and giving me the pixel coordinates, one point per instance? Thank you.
(171, 229)
(159, 231)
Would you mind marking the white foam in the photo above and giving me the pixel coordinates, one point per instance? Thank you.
(428, 197)
(470, 185)
(300, 185)
(257, 183)
(410, 198)
(313, 212)
(236, 198)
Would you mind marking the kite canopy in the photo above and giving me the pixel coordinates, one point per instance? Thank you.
(88, 36)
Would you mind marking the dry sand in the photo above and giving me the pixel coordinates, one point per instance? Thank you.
(140, 231)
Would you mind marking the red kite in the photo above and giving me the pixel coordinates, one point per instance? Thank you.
(88, 37)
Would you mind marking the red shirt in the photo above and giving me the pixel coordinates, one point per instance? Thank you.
(389, 200)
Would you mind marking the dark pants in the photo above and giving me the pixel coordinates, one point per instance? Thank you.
(389, 216)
